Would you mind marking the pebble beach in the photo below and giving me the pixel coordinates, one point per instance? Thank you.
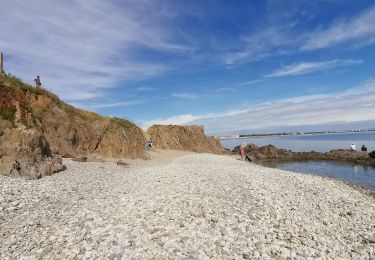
(197, 206)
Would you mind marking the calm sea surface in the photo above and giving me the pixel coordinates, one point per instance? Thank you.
(356, 174)
(305, 143)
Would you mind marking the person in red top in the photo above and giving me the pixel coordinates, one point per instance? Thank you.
(37, 81)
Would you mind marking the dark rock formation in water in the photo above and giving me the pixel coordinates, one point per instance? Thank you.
(270, 152)
(184, 138)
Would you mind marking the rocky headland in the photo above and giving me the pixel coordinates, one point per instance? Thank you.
(184, 138)
(37, 129)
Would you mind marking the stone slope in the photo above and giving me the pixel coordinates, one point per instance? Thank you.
(66, 129)
(184, 138)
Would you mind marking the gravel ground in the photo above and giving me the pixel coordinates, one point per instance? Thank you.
(197, 207)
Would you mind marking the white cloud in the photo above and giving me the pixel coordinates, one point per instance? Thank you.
(94, 106)
(251, 82)
(358, 28)
(82, 47)
(144, 89)
(186, 118)
(185, 95)
(311, 67)
(282, 37)
(352, 105)
(174, 120)
(268, 41)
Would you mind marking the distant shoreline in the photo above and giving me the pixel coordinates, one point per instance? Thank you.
(226, 137)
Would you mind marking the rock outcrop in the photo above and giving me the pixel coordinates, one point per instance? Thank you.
(270, 152)
(183, 138)
(26, 153)
(44, 119)
(67, 129)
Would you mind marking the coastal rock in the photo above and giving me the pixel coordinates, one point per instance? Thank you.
(26, 153)
(68, 130)
(184, 138)
(270, 152)
(122, 162)
(32, 168)
(80, 159)
(33, 118)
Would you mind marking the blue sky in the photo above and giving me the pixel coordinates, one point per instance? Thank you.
(228, 65)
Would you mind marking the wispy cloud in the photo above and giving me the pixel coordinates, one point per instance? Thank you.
(351, 105)
(360, 27)
(144, 89)
(94, 106)
(188, 118)
(81, 48)
(250, 82)
(185, 95)
(305, 110)
(311, 67)
(282, 38)
(173, 120)
(269, 41)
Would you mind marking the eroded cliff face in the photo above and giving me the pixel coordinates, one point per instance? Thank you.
(26, 153)
(184, 138)
(65, 129)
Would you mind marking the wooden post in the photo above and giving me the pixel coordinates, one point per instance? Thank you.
(1, 63)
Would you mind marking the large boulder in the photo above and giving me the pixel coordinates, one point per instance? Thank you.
(26, 153)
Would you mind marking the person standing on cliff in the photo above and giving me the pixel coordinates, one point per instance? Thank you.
(37, 81)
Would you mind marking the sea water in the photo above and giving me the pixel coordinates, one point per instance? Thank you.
(356, 174)
(306, 143)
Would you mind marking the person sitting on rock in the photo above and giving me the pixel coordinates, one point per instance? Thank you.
(364, 148)
(352, 147)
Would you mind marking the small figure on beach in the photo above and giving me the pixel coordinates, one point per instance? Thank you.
(37, 81)
(242, 151)
(364, 148)
(352, 147)
(149, 144)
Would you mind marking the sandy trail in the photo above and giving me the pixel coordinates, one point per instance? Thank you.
(195, 206)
